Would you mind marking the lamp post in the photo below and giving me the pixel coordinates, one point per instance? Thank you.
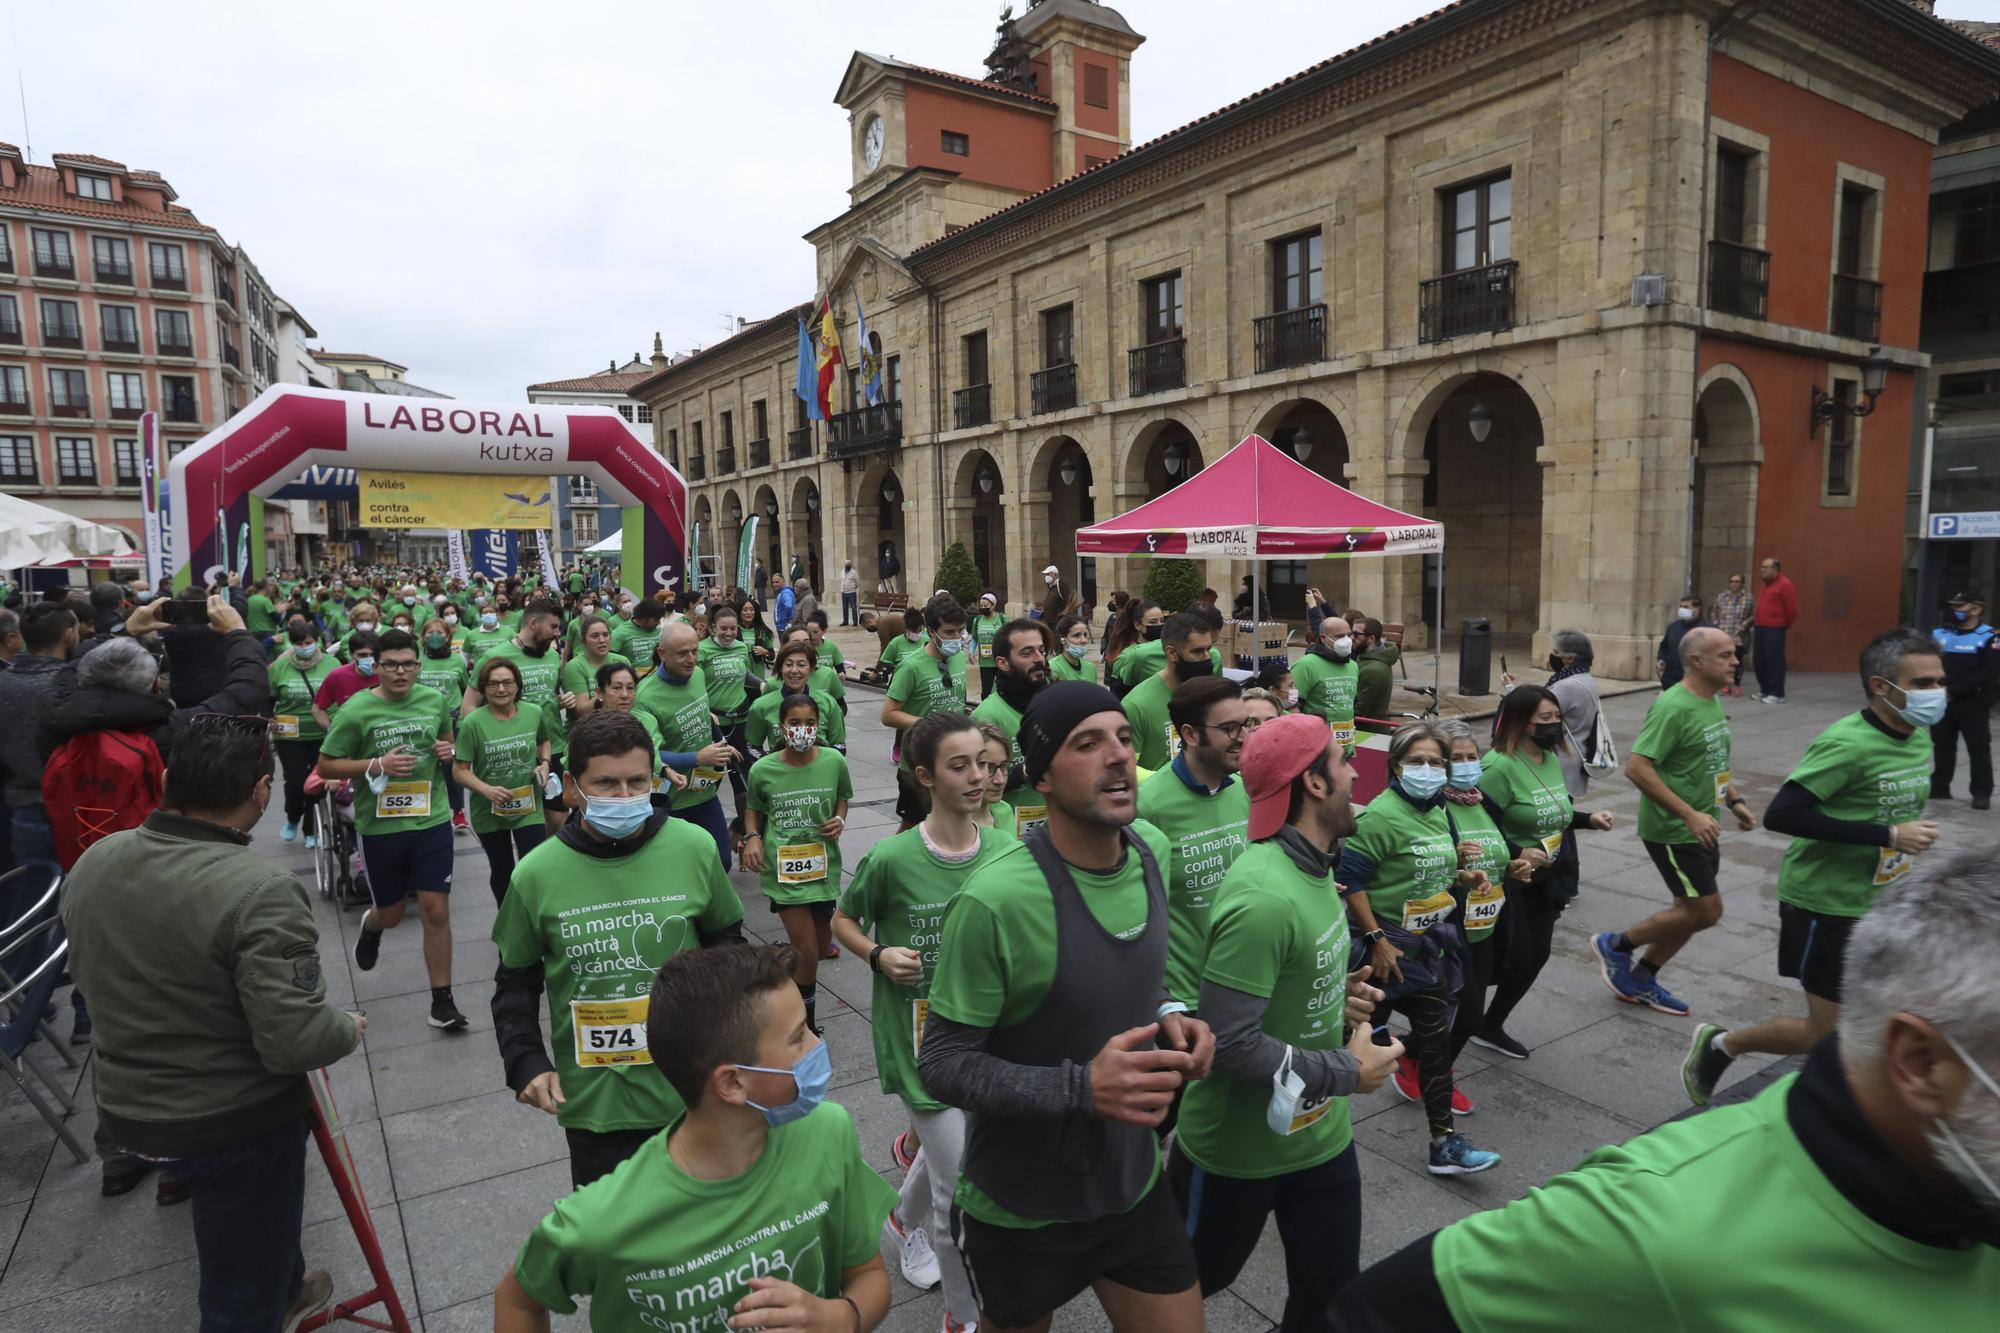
(987, 478)
(1302, 443)
(1874, 378)
(1480, 422)
(1068, 471)
(1176, 457)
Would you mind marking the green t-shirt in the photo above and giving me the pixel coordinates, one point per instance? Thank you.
(1535, 809)
(479, 642)
(1207, 833)
(1416, 862)
(801, 864)
(761, 730)
(263, 616)
(1721, 1222)
(1028, 810)
(656, 1249)
(827, 681)
(922, 685)
(1859, 772)
(685, 724)
(899, 893)
(447, 675)
(1148, 657)
(1326, 688)
(333, 614)
(504, 753)
(900, 647)
(579, 674)
(369, 726)
(728, 672)
(1687, 738)
(599, 928)
(1480, 912)
(829, 654)
(1279, 934)
(1064, 667)
(635, 643)
(1153, 734)
(540, 679)
(998, 956)
(292, 691)
(983, 629)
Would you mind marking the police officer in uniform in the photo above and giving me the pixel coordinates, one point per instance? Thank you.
(1971, 669)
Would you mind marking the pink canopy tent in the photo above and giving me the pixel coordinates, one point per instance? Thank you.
(1257, 503)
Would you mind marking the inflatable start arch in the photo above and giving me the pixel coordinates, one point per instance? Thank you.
(290, 428)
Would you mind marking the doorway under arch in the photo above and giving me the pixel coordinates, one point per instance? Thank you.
(770, 538)
(1485, 486)
(879, 531)
(978, 492)
(1727, 457)
(1308, 431)
(1066, 478)
(808, 529)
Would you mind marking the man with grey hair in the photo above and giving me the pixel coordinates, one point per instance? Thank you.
(10, 637)
(1861, 1193)
(1854, 809)
(1575, 689)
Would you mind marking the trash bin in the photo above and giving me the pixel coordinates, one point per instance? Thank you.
(1475, 656)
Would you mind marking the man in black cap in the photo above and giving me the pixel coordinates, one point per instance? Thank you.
(1971, 670)
(1050, 1025)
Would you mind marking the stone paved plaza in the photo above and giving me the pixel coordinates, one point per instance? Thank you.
(456, 1172)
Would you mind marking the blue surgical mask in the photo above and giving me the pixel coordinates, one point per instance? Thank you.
(617, 817)
(1920, 708)
(487, 620)
(1076, 650)
(1422, 781)
(813, 1073)
(1465, 774)
(305, 652)
(365, 665)
(951, 647)
(409, 599)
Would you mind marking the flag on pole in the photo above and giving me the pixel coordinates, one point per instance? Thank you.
(548, 560)
(243, 550)
(746, 548)
(827, 352)
(149, 484)
(871, 365)
(807, 386)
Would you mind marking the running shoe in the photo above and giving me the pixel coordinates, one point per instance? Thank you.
(314, 1296)
(312, 841)
(832, 951)
(459, 824)
(290, 832)
(953, 1326)
(445, 1015)
(1404, 1080)
(1662, 999)
(920, 1261)
(1460, 1103)
(1704, 1066)
(1496, 1039)
(367, 948)
(79, 1029)
(1615, 966)
(1453, 1156)
(901, 1151)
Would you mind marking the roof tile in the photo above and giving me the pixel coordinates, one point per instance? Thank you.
(604, 381)
(41, 189)
(92, 159)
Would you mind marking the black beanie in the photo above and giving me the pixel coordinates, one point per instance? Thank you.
(1053, 715)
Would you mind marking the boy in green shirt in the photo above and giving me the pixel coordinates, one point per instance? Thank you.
(295, 678)
(1680, 764)
(754, 1203)
(928, 679)
(986, 622)
(1187, 642)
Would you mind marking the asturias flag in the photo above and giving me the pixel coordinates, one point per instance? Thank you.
(827, 353)
(807, 386)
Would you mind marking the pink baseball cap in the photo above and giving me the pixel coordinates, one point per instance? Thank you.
(1277, 752)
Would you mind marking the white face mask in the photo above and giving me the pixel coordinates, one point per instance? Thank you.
(1344, 646)
(1685, 613)
(1291, 698)
(1973, 1164)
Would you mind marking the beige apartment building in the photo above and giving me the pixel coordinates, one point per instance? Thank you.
(1509, 266)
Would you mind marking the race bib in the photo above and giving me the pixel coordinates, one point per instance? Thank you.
(1891, 865)
(610, 1032)
(919, 1011)
(403, 800)
(1552, 843)
(705, 779)
(986, 653)
(659, 783)
(802, 863)
(1722, 788)
(1028, 817)
(285, 727)
(520, 801)
(1310, 1110)
(1420, 914)
(1482, 909)
(1343, 732)
(1173, 742)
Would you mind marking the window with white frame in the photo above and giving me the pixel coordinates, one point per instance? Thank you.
(17, 459)
(76, 461)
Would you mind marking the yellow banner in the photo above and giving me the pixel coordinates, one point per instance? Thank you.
(454, 500)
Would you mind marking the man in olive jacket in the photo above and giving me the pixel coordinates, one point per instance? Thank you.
(1374, 681)
(203, 970)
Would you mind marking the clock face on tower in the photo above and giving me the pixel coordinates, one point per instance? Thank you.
(871, 142)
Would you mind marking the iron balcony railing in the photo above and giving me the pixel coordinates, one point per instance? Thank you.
(1739, 279)
(1857, 308)
(1158, 367)
(1053, 389)
(1291, 338)
(971, 406)
(1473, 300)
(864, 430)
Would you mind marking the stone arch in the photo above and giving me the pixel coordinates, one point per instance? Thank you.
(875, 520)
(976, 505)
(730, 512)
(771, 535)
(1054, 509)
(1420, 405)
(1142, 435)
(805, 515)
(1282, 418)
(1728, 461)
(707, 542)
(1262, 414)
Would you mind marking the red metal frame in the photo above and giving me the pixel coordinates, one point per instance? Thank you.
(332, 1139)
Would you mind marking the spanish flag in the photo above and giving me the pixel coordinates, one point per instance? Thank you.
(826, 338)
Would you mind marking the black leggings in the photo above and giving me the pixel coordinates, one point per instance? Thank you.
(298, 759)
(504, 847)
(1429, 1044)
(1478, 962)
(1319, 1224)
(1522, 943)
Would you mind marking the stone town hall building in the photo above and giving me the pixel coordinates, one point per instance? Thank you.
(1568, 275)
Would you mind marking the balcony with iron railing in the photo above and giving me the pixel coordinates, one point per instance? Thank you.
(7, 260)
(697, 467)
(225, 293)
(13, 406)
(1857, 308)
(1052, 388)
(182, 412)
(760, 453)
(127, 413)
(799, 442)
(10, 331)
(114, 342)
(55, 266)
(1157, 367)
(864, 430)
(725, 460)
(231, 357)
(176, 347)
(62, 335)
(75, 407)
(119, 274)
(167, 280)
(1739, 279)
(971, 406)
(1290, 338)
(1473, 300)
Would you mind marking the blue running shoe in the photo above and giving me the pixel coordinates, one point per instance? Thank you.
(1453, 1156)
(312, 841)
(290, 831)
(1615, 967)
(1662, 999)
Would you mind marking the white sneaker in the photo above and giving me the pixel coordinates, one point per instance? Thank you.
(920, 1262)
(953, 1326)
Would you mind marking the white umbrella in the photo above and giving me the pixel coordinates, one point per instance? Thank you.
(32, 534)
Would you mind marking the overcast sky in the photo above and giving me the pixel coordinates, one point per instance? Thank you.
(499, 193)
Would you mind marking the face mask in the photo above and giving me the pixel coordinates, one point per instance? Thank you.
(1291, 698)
(1421, 781)
(436, 642)
(951, 647)
(364, 624)
(487, 620)
(1555, 662)
(1943, 1133)
(365, 665)
(802, 738)
(916, 636)
(1287, 1091)
(1920, 708)
(1685, 613)
(1049, 579)
(1957, 614)
(451, 620)
(1153, 633)
(1548, 735)
(1076, 650)
(1343, 646)
(1188, 670)
(409, 599)
(617, 817)
(305, 652)
(1465, 773)
(145, 596)
(813, 1073)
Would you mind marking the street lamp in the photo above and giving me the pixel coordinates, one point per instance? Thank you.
(888, 492)
(1068, 471)
(1480, 422)
(812, 500)
(1302, 443)
(771, 509)
(1176, 457)
(987, 477)
(1874, 378)
(735, 511)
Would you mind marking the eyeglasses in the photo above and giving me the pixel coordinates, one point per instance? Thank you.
(1230, 729)
(394, 666)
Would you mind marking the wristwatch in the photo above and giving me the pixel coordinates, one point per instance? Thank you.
(1374, 935)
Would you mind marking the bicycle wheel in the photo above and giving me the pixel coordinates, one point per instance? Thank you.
(319, 852)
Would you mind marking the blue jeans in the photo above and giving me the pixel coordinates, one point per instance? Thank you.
(708, 815)
(850, 608)
(249, 1209)
(1767, 659)
(34, 840)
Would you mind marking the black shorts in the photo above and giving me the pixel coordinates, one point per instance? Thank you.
(822, 909)
(1020, 1274)
(399, 864)
(1812, 949)
(1688, 867)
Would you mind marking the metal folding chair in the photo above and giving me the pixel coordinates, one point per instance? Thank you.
(32, 949)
